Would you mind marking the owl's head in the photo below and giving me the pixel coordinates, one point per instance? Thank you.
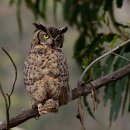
(50, 36)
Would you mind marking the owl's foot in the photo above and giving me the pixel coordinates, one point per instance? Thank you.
(80, 84)
(50, 105)
(34, 106)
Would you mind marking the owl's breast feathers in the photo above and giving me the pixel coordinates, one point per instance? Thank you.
(46, 74)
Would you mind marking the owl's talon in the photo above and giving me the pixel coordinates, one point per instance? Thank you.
(43, 112)
(37, 117)
(24, 110)
(41, 109)
(34, 106)
(50, 105)
(80, 83)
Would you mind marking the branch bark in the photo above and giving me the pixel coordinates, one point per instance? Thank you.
(79, 91)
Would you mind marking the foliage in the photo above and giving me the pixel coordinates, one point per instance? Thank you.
(89, 16)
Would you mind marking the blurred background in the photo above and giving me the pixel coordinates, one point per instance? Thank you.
(15, 36)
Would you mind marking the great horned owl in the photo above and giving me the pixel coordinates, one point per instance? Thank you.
(46, 73)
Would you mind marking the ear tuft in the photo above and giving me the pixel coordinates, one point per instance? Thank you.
(63, 30)
(40, 27)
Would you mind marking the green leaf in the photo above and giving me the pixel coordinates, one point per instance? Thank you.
(97, 70)
(115, 108)
(74, 15)
(79, 46)
(67, 9)
(18, 14)
(102, 18)
(29, 4)
(119, 3)
(126, 95)
(108, 5)
(116, 90)
(109, 92)
(44, 5)
(88, 107)
(114, 40)
(12, 2)
(43, 8)
(85, 61)
(107, 67)
(55, 6)
(129, 107)
(127, 48)
(96, 46)
(36, 9)
(116, 103)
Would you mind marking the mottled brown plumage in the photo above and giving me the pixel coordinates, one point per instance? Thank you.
(46, 74)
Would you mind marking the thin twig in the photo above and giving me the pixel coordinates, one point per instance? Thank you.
(15, 68)
(6, 106)
(121, 56)
(7, 96)
(94, 96)
(81, 113)
(101, 57)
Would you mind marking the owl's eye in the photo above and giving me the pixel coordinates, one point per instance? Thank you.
(45, 36)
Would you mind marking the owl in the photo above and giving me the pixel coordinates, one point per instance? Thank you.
(46, 75)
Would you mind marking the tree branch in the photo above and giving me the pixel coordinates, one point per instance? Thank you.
(82, 90)
(100, 82)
